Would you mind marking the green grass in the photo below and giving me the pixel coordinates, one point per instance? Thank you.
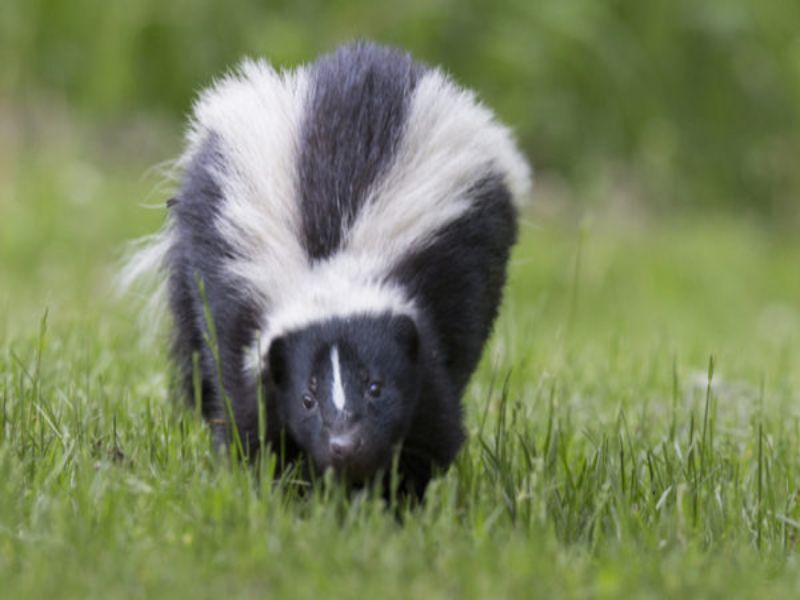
(605, 456)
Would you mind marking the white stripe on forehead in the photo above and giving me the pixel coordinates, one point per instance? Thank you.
(337, 389)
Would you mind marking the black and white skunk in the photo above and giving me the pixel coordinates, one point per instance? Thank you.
(350, 222)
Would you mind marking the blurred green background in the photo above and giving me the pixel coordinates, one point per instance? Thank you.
(650, 106)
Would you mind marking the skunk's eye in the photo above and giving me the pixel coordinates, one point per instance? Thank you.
(308, 401)
(374, 389)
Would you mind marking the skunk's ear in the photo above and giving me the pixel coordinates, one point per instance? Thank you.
(405, 332)
(277, 371)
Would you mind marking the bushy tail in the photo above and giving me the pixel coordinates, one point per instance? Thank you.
(142, 278)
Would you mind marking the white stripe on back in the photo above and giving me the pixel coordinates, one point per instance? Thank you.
(256, 114)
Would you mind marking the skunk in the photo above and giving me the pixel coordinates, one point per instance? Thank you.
(337, 249)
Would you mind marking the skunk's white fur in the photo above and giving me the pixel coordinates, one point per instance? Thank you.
(256, 117)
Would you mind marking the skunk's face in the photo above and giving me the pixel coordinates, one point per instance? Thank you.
(346, 390)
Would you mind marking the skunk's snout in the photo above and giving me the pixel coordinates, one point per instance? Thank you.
(344, 446)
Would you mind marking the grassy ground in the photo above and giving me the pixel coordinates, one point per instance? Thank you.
(633, 427)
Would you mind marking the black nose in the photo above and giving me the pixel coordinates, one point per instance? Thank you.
(343, 446)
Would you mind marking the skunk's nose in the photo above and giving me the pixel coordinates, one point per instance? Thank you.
(344, 445)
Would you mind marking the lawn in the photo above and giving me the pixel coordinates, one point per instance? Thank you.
(634, 426)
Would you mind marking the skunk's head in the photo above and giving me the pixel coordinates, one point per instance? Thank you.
(346, 390)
